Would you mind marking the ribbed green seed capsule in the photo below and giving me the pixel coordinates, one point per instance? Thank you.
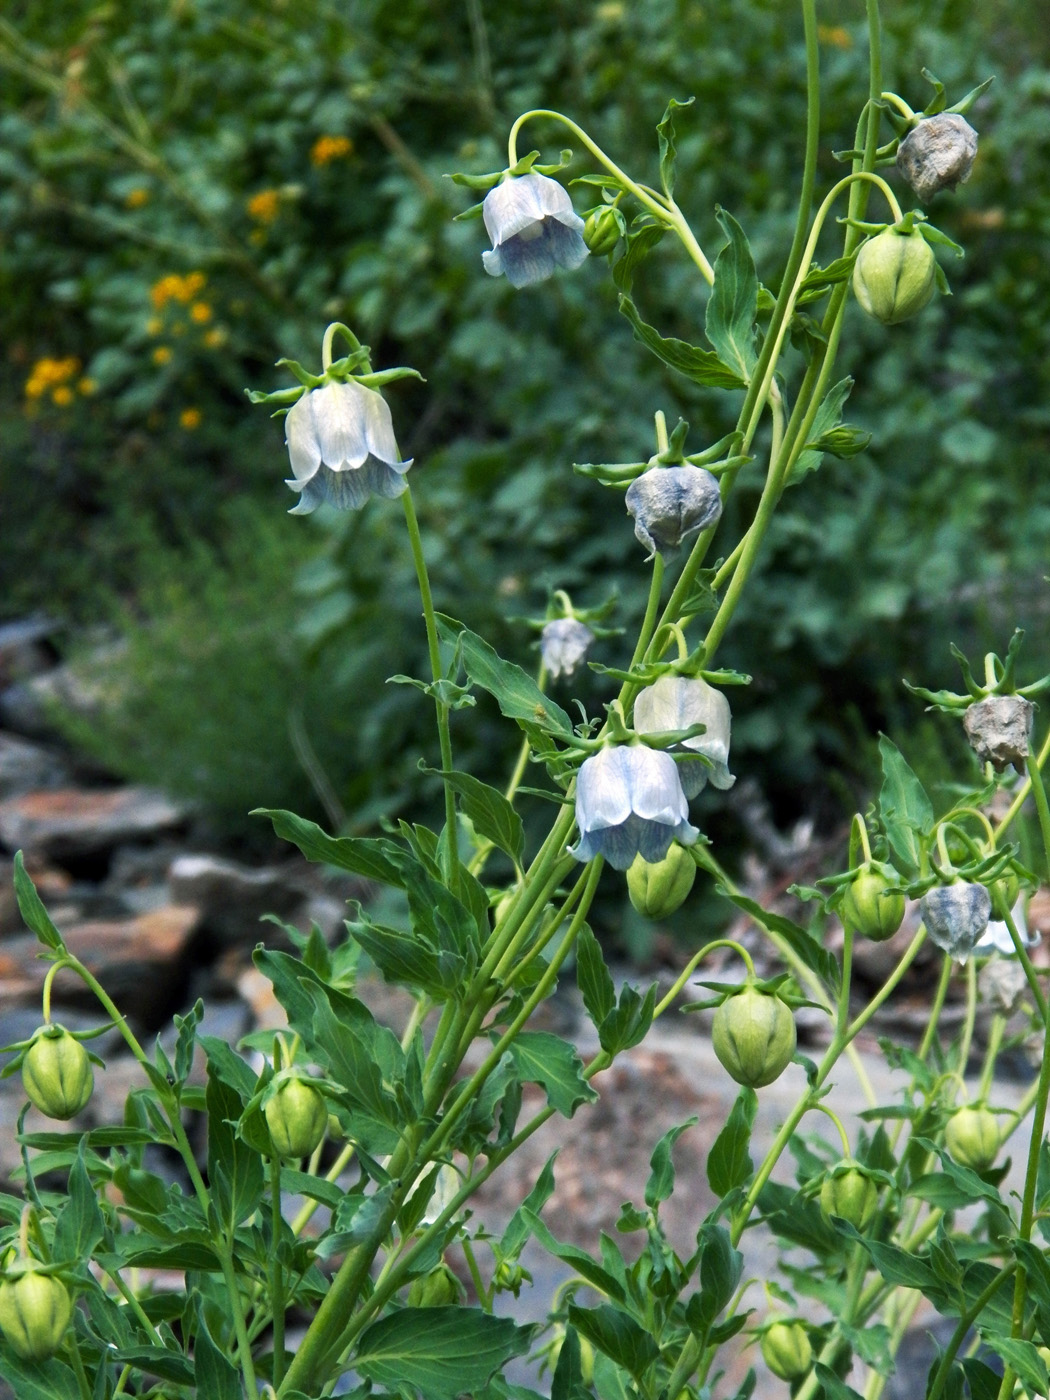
(851, 1195)
(872, 906)
(972, 1137)
(786, 1350)
(658, 888)
(297, 1117)
(753, 1035)
(34, 1313)
(57, 1074)
(895, 276)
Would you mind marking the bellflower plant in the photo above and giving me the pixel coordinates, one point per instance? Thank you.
(534, 230)
(383, 1138)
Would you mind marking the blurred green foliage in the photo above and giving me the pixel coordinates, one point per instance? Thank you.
(147, 142)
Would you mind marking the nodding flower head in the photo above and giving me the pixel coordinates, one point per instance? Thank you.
(534, 230)
(956, 916)
(564, 643)
(341, 443)
(676, 702)
(629, 802)
(671, 504)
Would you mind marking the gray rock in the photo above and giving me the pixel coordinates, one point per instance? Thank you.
(233, 898)
(78, 821)
(25, 766)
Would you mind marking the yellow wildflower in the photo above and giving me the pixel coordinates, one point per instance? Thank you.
(835, 35)
(136, 198)
(63, 395)
(49, 373)
(329, 148)
(190, 418)
(86, 386)
(161, 355)
(193, 282)
(264, 206)
(200, 312)
(34, 388)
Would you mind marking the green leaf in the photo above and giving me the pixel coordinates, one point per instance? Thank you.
(728, 1163)
(36, 1380)
(802, 944)
(637, 247)
(826, 423)
(519, 1229)
(567, 1383)
(186, 1026)
(158, 1361)
(490, 812)
(440, 1352)
(617, 1336)
(907, 812)
(516, 693)
(80, 1225)
(375, 859)
(834, 1388)
(984, 1383)
(214, 1374)
(720, 1268)
(629, 1023)
(410, 959)
(578, 1259)
(661, 1178)
(668, 154)
(701, 366)
(31, 907)
(235, 1171)
(898, 1266)
(356, 1051)
(733, 303)
(545, 1059)
(593, 977)
(1023, 1357)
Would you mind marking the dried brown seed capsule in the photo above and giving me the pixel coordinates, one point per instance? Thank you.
(999, 728)
(938, 154)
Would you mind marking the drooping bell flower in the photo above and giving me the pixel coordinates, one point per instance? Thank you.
(678, 702)
(341, 443)
(564, 643)
(630, 802)
(672, 504)
(534, 230)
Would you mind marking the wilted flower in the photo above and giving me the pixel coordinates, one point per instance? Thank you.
(999, 728)
(534, 230)
(629, 802)
(341, 443)
(564, 642)
(670, 504)
(937, 154)
(677, 702)
(956, 915)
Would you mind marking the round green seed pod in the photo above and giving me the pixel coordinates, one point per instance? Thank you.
(895, 275)
(786, 1350)
(972, 1137)
(872, 903)
(601, 232)
(753, 1035)
(297, 1117)
(34, 1313)
(437, 1289)
(850, 1194)
(56, 1073)
(658, 888)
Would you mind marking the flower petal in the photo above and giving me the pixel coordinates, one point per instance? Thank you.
(340, 421)
(656, 793)
(602, 792)
(301, 439)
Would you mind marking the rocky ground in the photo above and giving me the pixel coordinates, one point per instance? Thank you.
(162, 920)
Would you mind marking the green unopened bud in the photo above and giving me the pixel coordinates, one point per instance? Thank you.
(297, 1117)
(34, 1313)
(658, 888)
(56, 1073)
(850, 1193)
(601, 231)
(972, 1137)
(437, 1289)
(873, 904)
(895, 275)
(753, 1035)
(786, 1350)
(509, 1277)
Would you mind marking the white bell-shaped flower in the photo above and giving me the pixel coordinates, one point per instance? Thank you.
(564, 643)
(678, 702)
(342, 448)
(629, 802)
(534, 230)
(671, 505)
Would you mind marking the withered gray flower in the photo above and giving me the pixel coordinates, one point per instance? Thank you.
(534, 230)
(341, 443)
(937, 154)
(956, 915)
(564, 643)
(999, 728)
(677, 702)
(630, 802)
(671, 504)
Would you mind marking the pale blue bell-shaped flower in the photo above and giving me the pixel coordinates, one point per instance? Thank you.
(677, 702)
(341, 443)
(996, 937)
(956, 916)
(630, 802)
(564, 643)
(671, 504)
(534, 230)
